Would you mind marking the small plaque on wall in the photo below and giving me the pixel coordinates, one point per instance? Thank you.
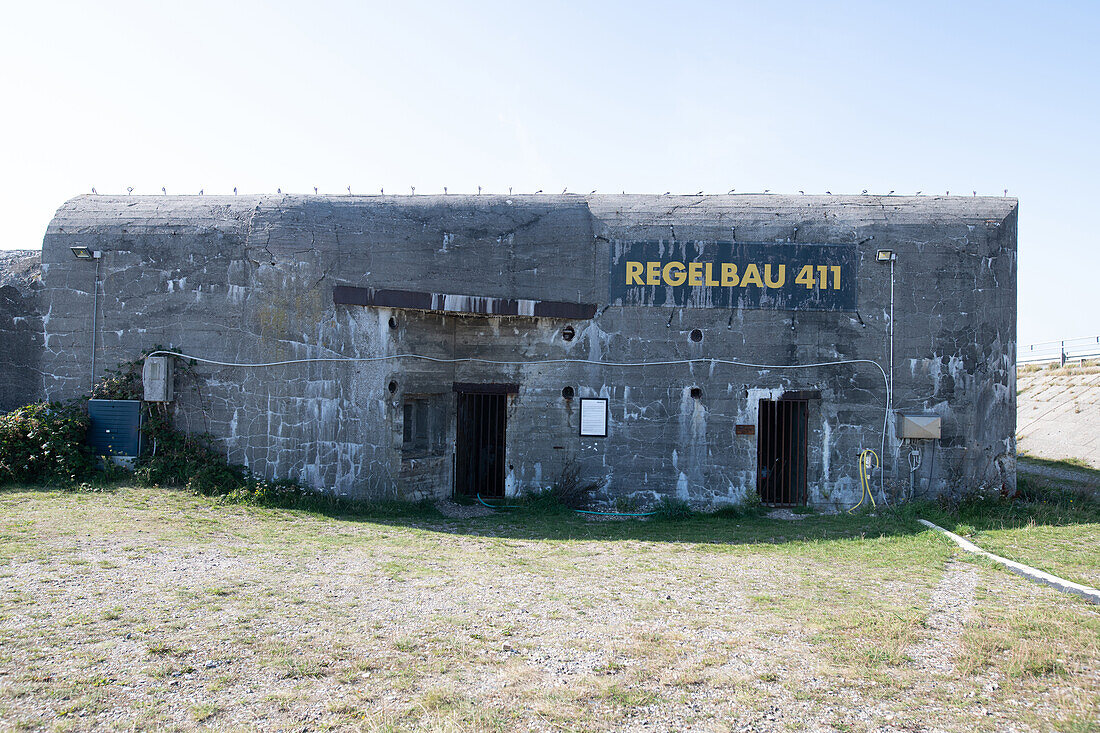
(745, 430)
(593, 417)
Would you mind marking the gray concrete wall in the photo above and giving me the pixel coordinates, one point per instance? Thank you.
(20, 329)
(249, 279)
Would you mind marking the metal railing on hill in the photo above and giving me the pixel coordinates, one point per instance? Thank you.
(1086, 347)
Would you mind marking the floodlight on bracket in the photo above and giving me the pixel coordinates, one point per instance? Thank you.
(89, 254)
(84, 253)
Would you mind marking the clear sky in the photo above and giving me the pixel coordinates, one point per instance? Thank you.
(635, 96)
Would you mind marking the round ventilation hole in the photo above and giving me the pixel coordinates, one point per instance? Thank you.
(696, 393)
(393, 322)
(696, 335)
(568, 333)
(393, 387)
(567, 392)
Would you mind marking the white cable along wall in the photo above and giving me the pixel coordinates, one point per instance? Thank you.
(532, 362)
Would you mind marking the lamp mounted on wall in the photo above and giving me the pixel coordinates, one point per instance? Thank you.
(86, 253)
(83, 253)
(889, 255)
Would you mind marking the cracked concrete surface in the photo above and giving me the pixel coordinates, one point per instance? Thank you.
(20, 328)
(249, 279)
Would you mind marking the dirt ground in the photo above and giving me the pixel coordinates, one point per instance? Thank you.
(154, 609)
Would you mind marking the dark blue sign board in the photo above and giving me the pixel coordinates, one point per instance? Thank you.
(708, 274)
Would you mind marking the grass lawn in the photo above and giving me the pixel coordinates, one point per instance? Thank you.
(155, 609)
(1072, 552)
(1054, 527)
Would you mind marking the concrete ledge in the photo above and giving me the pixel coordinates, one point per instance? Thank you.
(1091, 595)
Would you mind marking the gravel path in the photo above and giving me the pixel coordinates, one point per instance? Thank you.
(951, 601)
(454, 510)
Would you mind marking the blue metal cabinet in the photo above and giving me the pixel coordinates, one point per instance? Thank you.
(116, 427)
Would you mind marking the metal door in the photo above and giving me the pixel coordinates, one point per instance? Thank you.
(783, 428)
(479, 444)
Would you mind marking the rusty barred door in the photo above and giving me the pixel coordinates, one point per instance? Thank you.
(479, 440)
(782, 431)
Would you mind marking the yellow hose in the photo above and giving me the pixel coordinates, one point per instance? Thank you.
(865, 480)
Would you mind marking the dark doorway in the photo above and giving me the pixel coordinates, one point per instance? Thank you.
(479, 443)
(782, 431)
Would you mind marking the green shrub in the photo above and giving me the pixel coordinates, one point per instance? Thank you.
(176, 457)
(44, 442)
(284, 493)
(190, 460)
(750, 506)
(627, 504)
(671, 508)
(121, 383)
(217, 477)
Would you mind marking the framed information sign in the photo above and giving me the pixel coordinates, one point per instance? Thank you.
(593, 417)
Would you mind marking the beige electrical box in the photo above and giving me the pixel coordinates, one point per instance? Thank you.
(918, 426)
(156, 378)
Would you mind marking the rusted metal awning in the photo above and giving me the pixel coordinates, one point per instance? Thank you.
(473, 304)
(801, 394)
(486, 388)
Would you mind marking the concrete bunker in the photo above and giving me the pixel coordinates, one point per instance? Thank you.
(739, 344)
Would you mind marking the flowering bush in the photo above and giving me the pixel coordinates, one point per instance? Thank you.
(44, 442)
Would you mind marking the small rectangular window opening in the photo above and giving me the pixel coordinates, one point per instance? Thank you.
(416, 427)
